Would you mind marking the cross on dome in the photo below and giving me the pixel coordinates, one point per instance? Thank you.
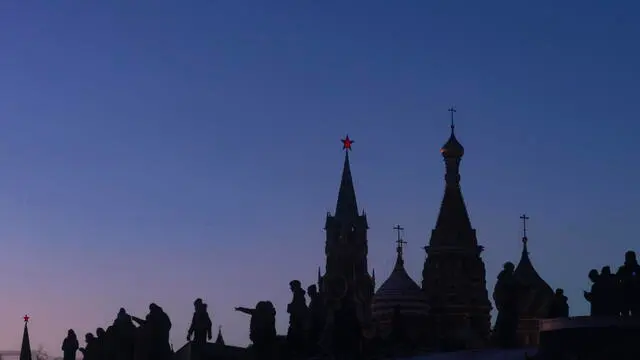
(524, 218)
(452, 110)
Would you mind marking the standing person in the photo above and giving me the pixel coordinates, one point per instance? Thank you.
(70, 345)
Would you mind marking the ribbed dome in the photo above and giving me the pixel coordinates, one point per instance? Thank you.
(452, 148)
(538, 297)
(399, 290)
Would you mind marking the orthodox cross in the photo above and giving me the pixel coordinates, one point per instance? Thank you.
(524, 218)
(452, 110)
(26, 318)
(400, 242)
(346, 143)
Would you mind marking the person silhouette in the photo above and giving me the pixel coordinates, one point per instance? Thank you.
(200, 323)
(89, 350)
(629, 275)
(124, 335)
(70, 345)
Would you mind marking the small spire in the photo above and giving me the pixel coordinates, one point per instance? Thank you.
(319, 281)
(400, 244)
(25, 349)
(373, 277)
(219, 339)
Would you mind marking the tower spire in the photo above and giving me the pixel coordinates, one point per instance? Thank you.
(25, 349)
(400, 244)
(453, 209)
(347, 206)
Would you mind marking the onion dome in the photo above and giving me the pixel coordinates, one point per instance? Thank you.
(452, 148)
(538, 296)
(399, 291)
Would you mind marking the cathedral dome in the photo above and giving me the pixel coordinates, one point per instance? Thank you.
(539, 294)
(399, 291)
(452, 148)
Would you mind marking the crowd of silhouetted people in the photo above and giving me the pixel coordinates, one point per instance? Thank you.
(616, 294)
(132, 338)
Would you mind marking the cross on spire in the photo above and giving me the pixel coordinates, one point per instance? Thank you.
(26, 318)
(524, 218)
(399, 229)
(452, 110)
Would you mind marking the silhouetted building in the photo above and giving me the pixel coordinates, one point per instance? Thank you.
(210, 351)
(536, 297)
(346, 278)
(454, 273)
(400, 293)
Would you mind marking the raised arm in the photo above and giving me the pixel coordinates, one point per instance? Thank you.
(245, 310)
(138, 320)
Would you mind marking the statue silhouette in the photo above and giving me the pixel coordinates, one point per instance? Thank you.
(70, 346)
(200, 324)
(262, 328)
(297, 309)
(629, 278)
(153, 335)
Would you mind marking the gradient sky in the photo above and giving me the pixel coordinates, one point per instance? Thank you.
(168, 150)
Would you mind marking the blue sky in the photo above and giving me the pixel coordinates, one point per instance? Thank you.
(163, 151)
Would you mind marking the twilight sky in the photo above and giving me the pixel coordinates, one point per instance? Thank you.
(168, 150)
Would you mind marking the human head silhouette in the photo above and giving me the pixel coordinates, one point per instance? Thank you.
(508, 266)
(197, 304)
(153, 307)
(295, 285)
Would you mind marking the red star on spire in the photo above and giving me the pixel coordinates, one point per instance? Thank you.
(26, 318)
(346, 143)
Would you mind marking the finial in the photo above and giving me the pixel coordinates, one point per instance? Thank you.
(524, 218)
(346, 143)
(220, 328)
(26, 318)
(452, 110)
(399, 241)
